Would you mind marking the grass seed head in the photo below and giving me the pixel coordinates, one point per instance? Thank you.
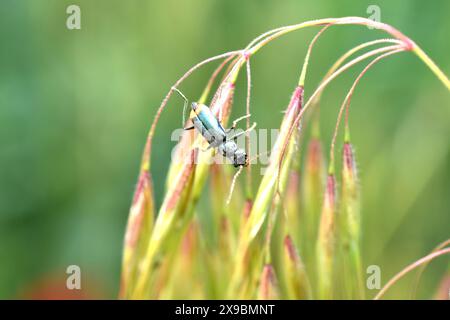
(326, 241)
(139, 227)
(295, 278)
(272, 182)
(349, 227)
(312, 190)
(172, 211)
(350, 193)
(292, 206)
(268, 287)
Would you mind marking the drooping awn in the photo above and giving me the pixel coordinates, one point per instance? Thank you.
(212, 130)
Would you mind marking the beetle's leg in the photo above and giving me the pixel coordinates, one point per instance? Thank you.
(233, 183)
(233, 126)
(242, 133)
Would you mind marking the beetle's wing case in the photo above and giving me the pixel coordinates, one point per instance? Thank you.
(208, 125)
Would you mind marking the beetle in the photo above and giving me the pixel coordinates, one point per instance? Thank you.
(212, 130)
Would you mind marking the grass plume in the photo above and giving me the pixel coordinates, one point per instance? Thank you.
(288, 239)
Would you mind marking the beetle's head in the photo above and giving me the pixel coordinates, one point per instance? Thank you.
(240, 158)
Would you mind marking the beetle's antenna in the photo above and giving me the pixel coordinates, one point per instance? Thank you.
(235, 122)
(243, 132)
(233, 184)
(186, 102)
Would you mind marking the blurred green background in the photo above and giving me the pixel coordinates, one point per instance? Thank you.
(76, 106)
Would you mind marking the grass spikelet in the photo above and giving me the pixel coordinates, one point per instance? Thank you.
(221, 178)
(139, 227)
(296, 281)
(312, 190)
(268, 287)
(269, 185)
(173, 207)
(326, 242)
(350, 225)
(292, 206)
(422, 268)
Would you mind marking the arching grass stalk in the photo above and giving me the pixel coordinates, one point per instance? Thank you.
(347, 232)
(351, 52)
(301, 80)
(248, 187)
(410, 45)
(346, 104)
(422, 268)
(409, 268)
(212, 79)
(324, 83)
(265, 38)
(341, 21)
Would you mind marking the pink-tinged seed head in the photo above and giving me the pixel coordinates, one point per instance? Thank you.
(443, 289)
(315, 157)
(293, 184)
(189, 242)
(141, 207)
(331, 191)
(188, 170)
(349, 160)
(326, 250)
(247, 208)
(295, 278)
(295, 103)
(223, 99)
(290, 249)
(269, 285)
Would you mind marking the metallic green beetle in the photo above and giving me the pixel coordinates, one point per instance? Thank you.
(211, 129)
